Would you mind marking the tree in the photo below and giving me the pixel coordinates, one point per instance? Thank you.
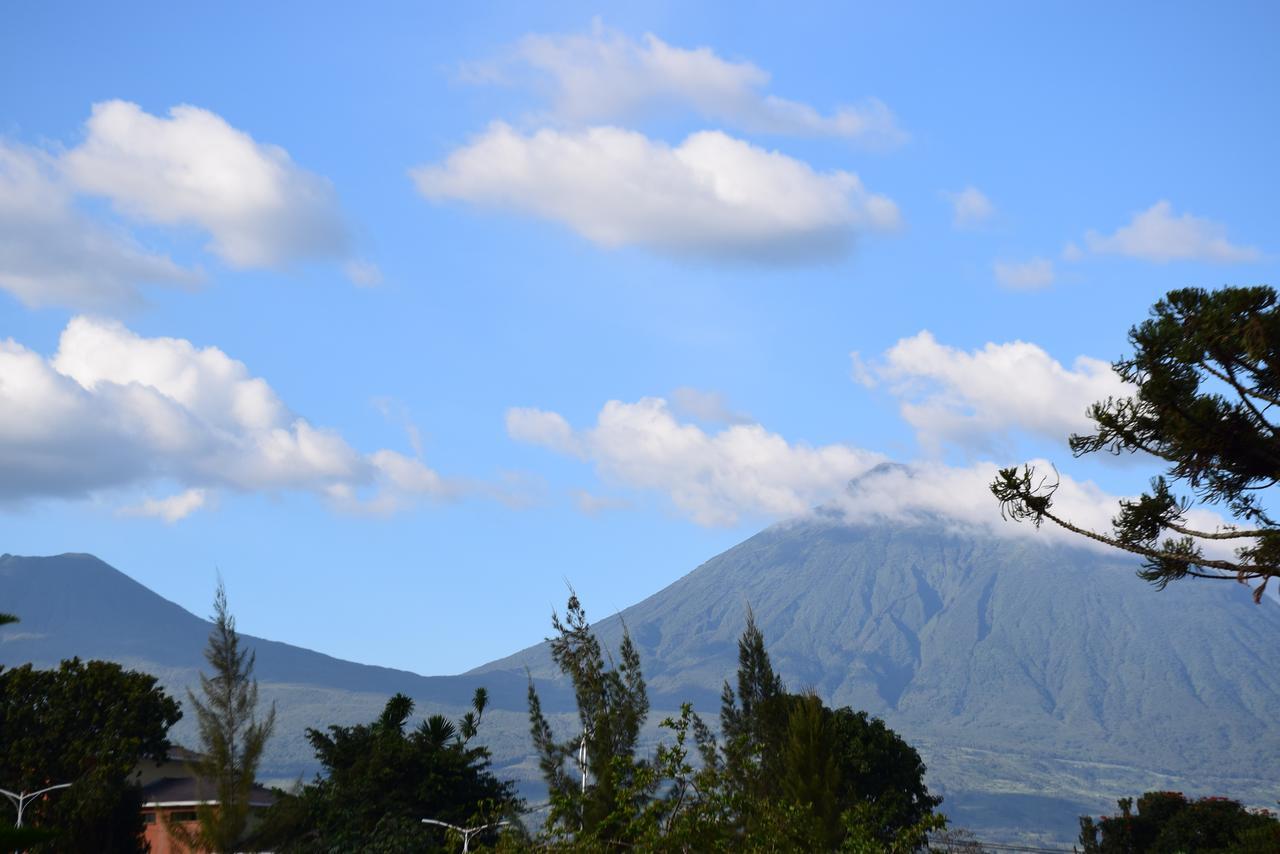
(612, 784)
(792, 774)
(88, 724)
(380, 780)
(1168, 821)
(231, 736)
(1206, 373)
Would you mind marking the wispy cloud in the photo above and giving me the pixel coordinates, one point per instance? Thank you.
(1156, 234)
(606, 76)
(1032, 275)
(970, 208)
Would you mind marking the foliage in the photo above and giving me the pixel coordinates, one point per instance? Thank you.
(1206, 373)
(380, 780)
(1168, 821)
(88, 724)
(612, 706)
(792, 774)
(231, 736)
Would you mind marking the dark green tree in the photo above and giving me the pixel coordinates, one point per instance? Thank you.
(381, 779)
(231, 736)
(1206, 372)
(792, 774)
(1169, 821)
(88, 724)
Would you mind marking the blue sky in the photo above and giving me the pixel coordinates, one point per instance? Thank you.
(401, 319)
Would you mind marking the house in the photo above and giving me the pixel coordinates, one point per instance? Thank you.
(171, 794)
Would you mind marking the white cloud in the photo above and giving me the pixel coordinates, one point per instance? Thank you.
(975, 399)
(1025, 275)
(539, 427)
(961, 496)
(606, 76)
(112, 409)
(711, 196)
(170, 509)
(1157, 235)
(195, 169)
(714, 478)
(970, 207)
(52, 254)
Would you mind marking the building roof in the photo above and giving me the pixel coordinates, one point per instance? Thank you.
(189, 792)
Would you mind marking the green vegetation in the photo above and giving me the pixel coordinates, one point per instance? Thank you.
(231, 736)
(1169, 822)
(88, 724)
(380, 781)
(792, 774)
(1206, 369)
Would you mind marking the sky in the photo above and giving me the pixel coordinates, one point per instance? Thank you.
(405, 319)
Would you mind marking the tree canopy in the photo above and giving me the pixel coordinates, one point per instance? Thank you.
(381, 779)
(88, 724)
(1169, 821)
(1205, 369)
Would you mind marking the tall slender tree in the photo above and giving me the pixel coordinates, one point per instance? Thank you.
(232, 736)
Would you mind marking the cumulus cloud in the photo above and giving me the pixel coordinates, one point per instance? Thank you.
(194, 169)
(171, 509)
(606, 76)
(975, 399)
(112, 409)
(52, 254)
(710, 196)
(714, 478)
(1025, 275)
(1156, 234)
(969, 207)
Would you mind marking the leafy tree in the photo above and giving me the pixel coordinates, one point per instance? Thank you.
(231, 736)
(1168, 821)
(380, 780)
(1206, 372)
(612, 706)
(88, 724)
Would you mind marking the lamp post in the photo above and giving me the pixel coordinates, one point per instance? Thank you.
(467, 832)
(21, 799)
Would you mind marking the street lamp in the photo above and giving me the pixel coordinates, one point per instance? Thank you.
(21, 799)
(467, 832)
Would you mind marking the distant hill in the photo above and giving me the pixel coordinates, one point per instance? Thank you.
(77, 605)
(1040, 682)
